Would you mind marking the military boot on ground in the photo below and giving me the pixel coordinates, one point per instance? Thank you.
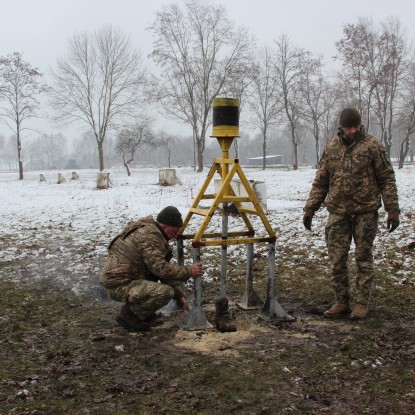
(337, 310)
(155, 320)
(223, 318)
(130, 321)
(359, 312)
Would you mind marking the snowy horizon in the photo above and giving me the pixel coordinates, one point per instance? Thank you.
(69, 225)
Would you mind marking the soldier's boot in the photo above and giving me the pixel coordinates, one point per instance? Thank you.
(359, 312)
(337, 310)
(155, 320)
(130, 321)
(223, 319)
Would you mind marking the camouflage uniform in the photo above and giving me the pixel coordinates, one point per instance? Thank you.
(352, 178)
(137, 270)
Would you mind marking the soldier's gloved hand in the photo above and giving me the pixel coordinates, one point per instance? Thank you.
(393, 221)
(307, 219)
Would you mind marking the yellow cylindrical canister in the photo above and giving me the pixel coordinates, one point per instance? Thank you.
(225, 117)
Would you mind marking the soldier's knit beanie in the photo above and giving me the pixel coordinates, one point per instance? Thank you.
(170, 215)
(350, 117)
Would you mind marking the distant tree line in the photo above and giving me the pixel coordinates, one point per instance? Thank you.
(289, 100)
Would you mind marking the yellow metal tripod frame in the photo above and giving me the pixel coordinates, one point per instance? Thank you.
(227, 169)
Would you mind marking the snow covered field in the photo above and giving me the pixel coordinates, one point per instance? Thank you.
(56, 234)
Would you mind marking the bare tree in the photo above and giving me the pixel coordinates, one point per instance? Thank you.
(48, 150)
(392, 68)
(318, 99)
(167, 142)
(130, 140)
(376, 61)
(289, 64)
(19, 88)
(200, 53)
(99, 83)
(406, 119)
(355, 49)
(264, 102)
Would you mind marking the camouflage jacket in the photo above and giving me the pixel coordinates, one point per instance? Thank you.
(353, 177)
(141, 251)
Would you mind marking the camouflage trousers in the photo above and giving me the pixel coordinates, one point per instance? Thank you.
(144, 297)
(340, 230)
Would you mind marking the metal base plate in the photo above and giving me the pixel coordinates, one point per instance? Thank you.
(250, 300)
(273, 309)
(196, 320)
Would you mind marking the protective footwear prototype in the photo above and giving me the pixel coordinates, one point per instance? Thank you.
(223, 318)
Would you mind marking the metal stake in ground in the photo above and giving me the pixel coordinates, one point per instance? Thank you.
(224, 252)
(225, 130)
(195, 319)
(172, 305)
(271, 307)
(250, 299)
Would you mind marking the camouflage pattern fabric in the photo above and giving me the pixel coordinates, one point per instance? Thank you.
(352, 178)
(144, 297)
(141, 252)
(340, 230)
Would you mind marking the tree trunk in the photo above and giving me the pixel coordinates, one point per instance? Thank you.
(19, 155)
(127, 167)
(317, 151)
(264, 150)
(103, 180)
(295, 147)
(194, 151)
(386, 142)
(167, 177)
(403, 152)
(61, 178)
(318, 142)
(199, 159)
(101, 156)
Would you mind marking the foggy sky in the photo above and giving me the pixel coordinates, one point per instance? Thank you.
(41, 29)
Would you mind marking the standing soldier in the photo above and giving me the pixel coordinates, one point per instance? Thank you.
(353, 175)
(138, 272)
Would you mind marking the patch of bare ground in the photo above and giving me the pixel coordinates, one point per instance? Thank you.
(65, 355)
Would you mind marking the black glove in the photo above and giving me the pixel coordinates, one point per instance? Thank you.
(307, 219)
(393, 221)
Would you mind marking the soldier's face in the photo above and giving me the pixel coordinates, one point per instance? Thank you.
(171, 231)
(351, 132)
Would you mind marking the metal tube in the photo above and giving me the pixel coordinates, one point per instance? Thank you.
(224, 252)
(249, 266)
(198, 280)
(250, 299)
(271, 278)
(172, 305)
(196, 319)
(271, 307)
